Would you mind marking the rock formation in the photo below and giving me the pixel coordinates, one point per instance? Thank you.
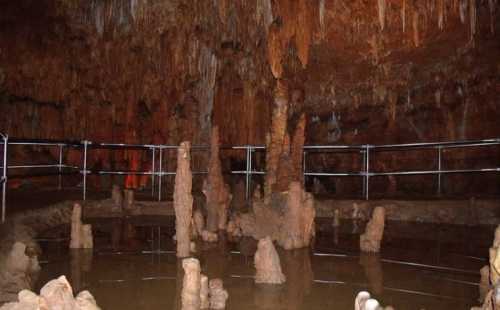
(492, 298)
(218, 295)
(191, 285)
(197, 291)
(17, 271)
(198, 222)
(267, 263)
(183, 199)
(56, 294)
(204, 291)
(371, 239)
(81, 234)
(209, 236)
(495, 259)
(364, 301)
(216, 191)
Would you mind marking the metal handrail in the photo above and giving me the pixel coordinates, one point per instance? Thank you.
(157, 172)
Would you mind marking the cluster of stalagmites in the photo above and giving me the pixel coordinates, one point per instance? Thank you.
(56, 294)
(364, 301)
(198, 292)
(490, 278)
(371, 239)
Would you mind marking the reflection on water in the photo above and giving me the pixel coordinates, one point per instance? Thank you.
(420, 266)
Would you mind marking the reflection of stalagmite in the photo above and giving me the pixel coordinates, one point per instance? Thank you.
(81, 263)
(215, 189)
(371, 239)
(191, 285)
(373, 271)
(218, 295)
(81, 235)
(267, 263)
(484, 284)
(183, 199)
(298, 270)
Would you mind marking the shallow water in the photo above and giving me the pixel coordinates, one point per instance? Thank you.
(421, 266)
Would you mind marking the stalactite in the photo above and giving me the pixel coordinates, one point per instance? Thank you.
(441, 14)
(463, 10)
(322, 18)
(473, 19)
(492, 5)
(416, 34)
(264, 13)
(403, 15)
(381, 13)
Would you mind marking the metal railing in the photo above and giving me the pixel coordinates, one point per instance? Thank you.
(157, 171)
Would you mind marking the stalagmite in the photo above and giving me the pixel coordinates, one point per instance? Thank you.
(204, 291)
(183, 199)
(199, 222)
(336, 218)
(117, 197)
(129, 199)
(209, 236)
(297, 229)
(191, 284)
(364, 301)
(495, 259)
(215, 189)
(370, 240)
(267, 263)
(81, 235)
(484, 284)
(218, 295)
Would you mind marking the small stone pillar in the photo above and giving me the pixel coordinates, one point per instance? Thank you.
(81, 235)
(267, 263)
(371, 239)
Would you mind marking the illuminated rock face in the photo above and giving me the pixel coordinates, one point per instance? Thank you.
(183, 200)
(169, 72)
(371, 239)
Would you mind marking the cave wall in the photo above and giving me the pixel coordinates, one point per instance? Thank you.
(164, 71)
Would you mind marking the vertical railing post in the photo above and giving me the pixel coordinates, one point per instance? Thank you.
(304, 168)
(247, 173)
(160, 173)
(440, 151)
(153, 173)
(85, 148)
(367, 173)
(59, 186)
(363, 171)
(4, 174)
